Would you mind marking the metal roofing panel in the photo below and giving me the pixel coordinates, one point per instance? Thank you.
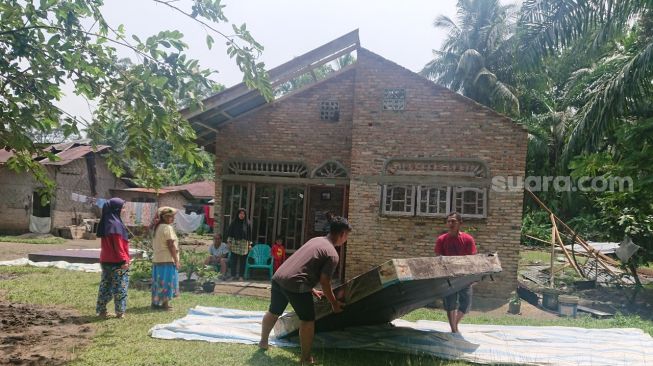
(73, 153)
(198, 189)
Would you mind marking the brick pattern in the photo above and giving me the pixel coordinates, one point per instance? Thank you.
(290, 130)
(435, 123)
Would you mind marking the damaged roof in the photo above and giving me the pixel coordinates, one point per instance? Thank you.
(65, 152)
(238, 100)
(204, 189)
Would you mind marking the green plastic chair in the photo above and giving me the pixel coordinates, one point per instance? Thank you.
(260, 257)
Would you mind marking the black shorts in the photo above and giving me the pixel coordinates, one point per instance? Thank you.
(302, 302)
(461, 300)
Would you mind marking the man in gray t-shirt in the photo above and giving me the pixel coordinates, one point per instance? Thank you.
(302, 271)
(315, 262)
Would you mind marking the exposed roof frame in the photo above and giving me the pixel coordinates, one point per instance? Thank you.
(243, 99)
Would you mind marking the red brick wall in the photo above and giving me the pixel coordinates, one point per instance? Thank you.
(435, 123)
(290, 130)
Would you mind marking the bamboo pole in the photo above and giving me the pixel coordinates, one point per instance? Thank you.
(556, 237)
(537, 239)
(553, 255)
(593, 252)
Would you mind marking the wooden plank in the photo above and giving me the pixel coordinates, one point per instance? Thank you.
(595, 313)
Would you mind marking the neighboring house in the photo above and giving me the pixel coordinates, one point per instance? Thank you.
(176, 198)
(202, 192)
(81, 175)
(375, 142)
(182, 196)
(140, 209)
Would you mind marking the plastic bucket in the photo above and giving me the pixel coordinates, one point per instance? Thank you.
(550, 299)
(567, 305)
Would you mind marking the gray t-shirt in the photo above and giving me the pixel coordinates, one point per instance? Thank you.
(302, 270)
(220, 251)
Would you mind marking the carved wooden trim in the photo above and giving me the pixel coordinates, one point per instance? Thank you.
(330, 169)
(267, 168)
(473, 168)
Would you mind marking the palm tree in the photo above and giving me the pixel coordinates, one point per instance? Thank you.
(619, 83)
(475, 59)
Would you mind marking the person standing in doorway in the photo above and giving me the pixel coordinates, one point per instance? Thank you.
(456, 243)
(278, 253)
(114, 259)
(314, 262)
(239, 239)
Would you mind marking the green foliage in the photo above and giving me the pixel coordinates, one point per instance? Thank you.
(514, 298)
(18, 239)
(140, 269)
(46, 44)
(628, 211)
(475, 58)
(191, 262)
(536, 224)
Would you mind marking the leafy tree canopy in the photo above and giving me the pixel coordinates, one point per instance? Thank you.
(46, 43)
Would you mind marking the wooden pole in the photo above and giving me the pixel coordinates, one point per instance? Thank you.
(553, 253)
(537, 239)
(562, 246)
(598, 256)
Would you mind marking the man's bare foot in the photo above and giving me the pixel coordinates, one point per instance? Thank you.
(263, 345)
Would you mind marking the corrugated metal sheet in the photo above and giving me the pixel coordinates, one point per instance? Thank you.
(67, 152)
(74, 153)
(204, 189)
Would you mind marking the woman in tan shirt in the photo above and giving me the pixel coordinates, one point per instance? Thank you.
(165, 260)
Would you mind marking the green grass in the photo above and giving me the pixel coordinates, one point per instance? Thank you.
(529, 257)
(126, 342)
(17, 239)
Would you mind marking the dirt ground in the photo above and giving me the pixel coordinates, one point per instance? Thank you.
(35, 335)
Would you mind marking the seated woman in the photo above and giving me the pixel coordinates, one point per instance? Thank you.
(218, 253)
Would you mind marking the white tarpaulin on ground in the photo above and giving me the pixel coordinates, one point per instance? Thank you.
(85, 267)
(188, 223)
(485, 344)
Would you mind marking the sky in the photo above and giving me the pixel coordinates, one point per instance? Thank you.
(401, 31)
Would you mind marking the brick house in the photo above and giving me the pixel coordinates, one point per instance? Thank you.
(375, 142)
(80, 173)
